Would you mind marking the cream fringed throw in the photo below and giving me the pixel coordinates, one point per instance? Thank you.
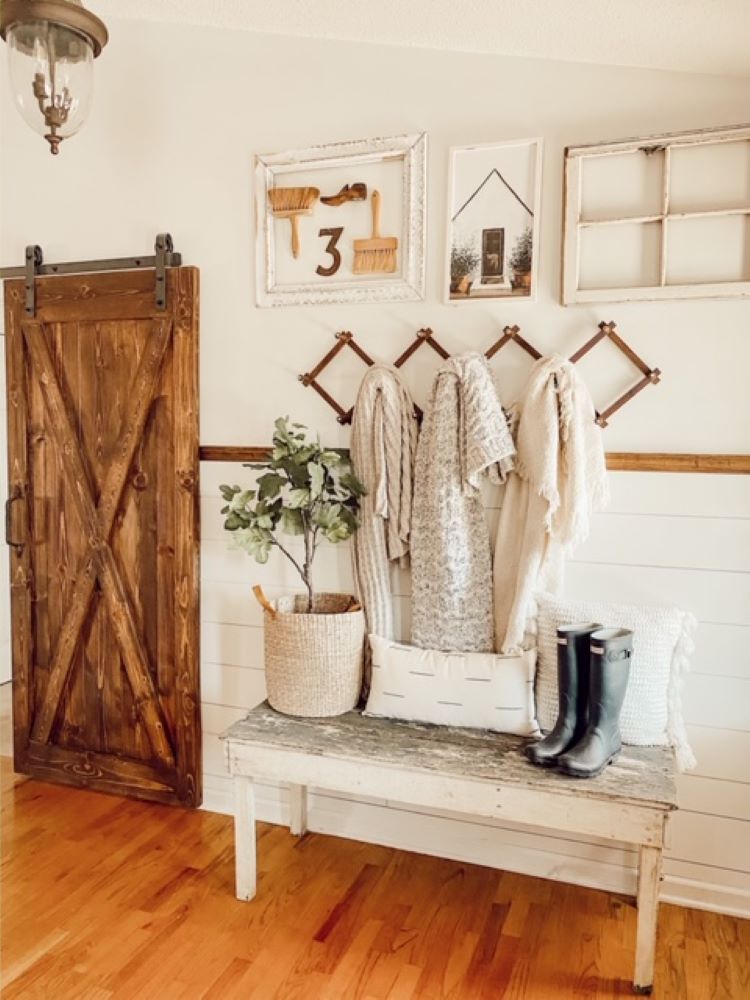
(464, 435)
(560, 478)
(383, 448)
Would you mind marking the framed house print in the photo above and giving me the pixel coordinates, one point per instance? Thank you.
(493, 221)
(342, 223)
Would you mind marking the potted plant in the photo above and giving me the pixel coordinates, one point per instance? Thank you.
(464, 262)
(520, 260)
(313, 641)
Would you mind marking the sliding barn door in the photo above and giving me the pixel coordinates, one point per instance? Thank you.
(102, 520)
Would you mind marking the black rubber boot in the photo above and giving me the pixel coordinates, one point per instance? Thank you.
(573, 694)
(611, 649)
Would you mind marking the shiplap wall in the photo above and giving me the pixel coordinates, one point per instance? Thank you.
(640, 550)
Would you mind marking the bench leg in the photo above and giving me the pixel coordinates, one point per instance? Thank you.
(649, 876)
(244, 837)
(298, 810)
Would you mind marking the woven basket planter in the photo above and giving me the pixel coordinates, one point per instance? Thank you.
(314, 661)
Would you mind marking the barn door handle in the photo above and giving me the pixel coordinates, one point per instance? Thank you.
(17, 494)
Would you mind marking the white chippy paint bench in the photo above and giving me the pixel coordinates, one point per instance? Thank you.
(467, 771)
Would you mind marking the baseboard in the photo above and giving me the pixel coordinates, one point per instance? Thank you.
(706, 896)
(217, 795)
(458, 839)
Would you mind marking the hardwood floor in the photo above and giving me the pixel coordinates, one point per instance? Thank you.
(104, 897)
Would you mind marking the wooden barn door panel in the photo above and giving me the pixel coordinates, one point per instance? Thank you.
(103, 461)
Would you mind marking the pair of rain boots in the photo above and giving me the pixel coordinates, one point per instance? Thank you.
(593, 666)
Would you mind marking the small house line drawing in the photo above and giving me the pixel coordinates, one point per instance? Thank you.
(491, 226)
(512, 190)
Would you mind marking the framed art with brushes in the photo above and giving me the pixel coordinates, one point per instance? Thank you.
(343, 222)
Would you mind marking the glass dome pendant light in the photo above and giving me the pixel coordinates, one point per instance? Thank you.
(52, 45)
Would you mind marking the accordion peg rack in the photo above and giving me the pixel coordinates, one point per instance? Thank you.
(510, 334)
(616, 461)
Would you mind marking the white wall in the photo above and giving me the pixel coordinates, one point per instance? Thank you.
(178, 114)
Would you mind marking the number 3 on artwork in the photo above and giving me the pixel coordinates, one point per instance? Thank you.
(334, 236)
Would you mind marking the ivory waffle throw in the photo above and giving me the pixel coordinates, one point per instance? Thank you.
(560, 478)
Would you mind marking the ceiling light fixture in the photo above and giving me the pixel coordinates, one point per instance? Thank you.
(52, 45)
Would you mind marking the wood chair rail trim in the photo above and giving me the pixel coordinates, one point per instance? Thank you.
(617, 461)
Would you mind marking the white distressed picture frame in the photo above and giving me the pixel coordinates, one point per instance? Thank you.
(536, 143)
(408, 285)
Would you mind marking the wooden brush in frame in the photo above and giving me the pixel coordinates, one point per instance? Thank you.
(290, 203)
(376, 255)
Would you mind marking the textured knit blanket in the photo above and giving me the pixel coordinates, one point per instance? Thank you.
(383, 448)
(464, 437)
(560, 478)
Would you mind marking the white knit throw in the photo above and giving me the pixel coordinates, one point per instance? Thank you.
(560, 478)
(383, 448)
(464, 437)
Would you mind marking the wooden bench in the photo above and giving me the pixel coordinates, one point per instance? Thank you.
(467, 771)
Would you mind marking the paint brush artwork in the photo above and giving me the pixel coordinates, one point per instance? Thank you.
(290, 203)
(376, 255)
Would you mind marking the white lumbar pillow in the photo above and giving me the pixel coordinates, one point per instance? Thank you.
(470, 690)
(662, 642)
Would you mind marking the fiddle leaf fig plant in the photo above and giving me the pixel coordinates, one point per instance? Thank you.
(305, 490)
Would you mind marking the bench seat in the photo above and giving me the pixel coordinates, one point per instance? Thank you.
(464, 770)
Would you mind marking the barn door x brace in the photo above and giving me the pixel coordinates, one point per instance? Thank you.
(164, 256)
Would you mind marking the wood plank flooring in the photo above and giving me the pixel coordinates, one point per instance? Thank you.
(109, 898)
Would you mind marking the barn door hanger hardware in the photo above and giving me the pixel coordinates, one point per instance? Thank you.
(164, 256)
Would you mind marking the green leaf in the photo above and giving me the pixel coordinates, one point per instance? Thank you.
(270, 485)
(349, 518)
(291, 522)
(338, 532)
(326, 515)
(296, 473)
(256, 542)
(282, 434)
(233, 522)
(298, 498)
(242, 499)
(317, 478)
(350, 482)
(303, 455)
